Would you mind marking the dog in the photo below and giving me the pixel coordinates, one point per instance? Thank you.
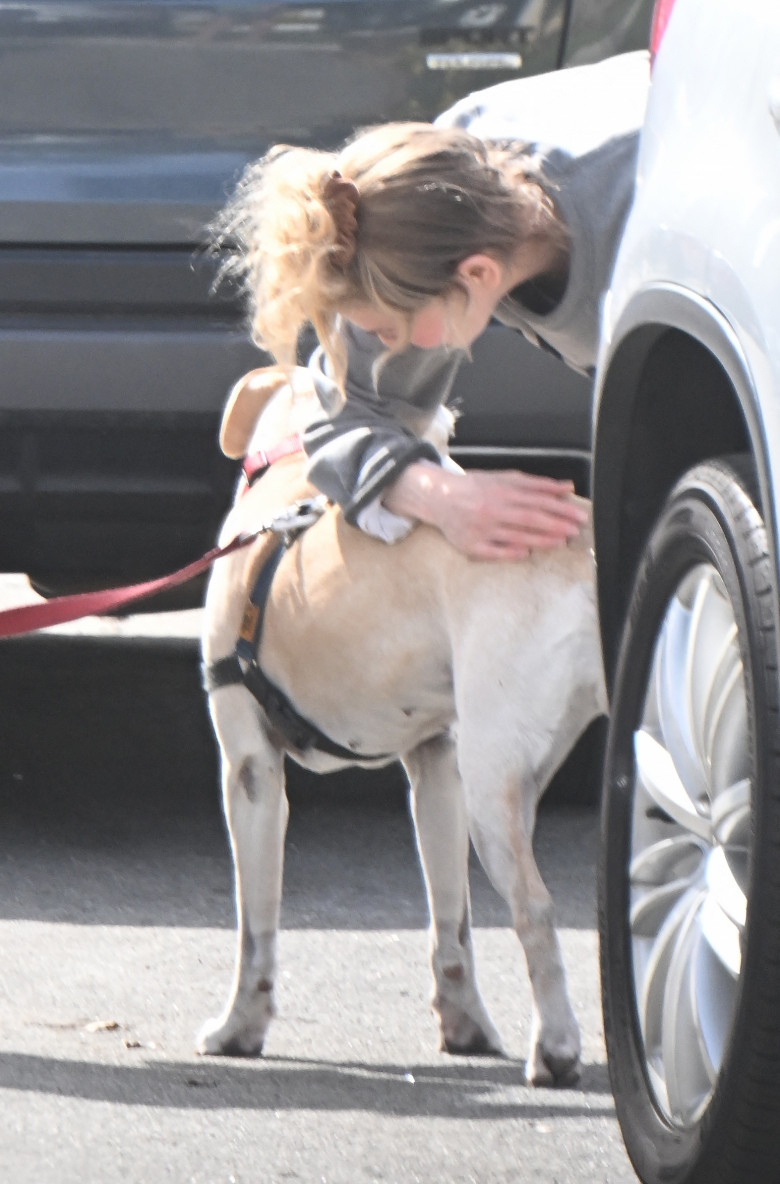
(478, 676)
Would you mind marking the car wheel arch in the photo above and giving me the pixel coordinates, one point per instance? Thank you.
(673, 389)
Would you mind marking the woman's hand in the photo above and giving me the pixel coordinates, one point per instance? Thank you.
(489, 515)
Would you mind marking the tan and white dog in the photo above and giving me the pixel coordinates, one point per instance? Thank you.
(478, 676)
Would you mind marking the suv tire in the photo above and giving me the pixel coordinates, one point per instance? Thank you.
(689, 883)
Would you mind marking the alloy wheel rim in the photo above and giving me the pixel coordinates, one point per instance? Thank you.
(690, 846)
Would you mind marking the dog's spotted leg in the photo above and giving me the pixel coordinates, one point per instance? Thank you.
(256, 811)
(443, 842)
(502, 827)
(554, 1057)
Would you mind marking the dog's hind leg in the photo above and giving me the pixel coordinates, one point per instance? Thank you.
(256, 810)
(443, 843)
(502, 808)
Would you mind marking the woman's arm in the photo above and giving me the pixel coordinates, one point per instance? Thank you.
(356, 453)
(369, 454)
(488, 515)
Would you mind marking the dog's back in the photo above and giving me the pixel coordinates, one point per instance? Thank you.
(384, 646)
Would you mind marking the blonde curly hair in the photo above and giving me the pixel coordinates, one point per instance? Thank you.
(427, 198)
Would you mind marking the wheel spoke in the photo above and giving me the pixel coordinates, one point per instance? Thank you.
(674, 858)
(717, 971)
(688, 1066)
(659, 876)
(731, 815)
(713, 659)
(659, 777)
(726, 893)
(652, 960)
(671, 700)
(728, 752)
(650, 911)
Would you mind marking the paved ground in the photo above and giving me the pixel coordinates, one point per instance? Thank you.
(116, 936)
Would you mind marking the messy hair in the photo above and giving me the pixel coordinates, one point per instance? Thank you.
(426, 198)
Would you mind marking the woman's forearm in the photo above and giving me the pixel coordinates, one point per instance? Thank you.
(488, 515)
(418, 492)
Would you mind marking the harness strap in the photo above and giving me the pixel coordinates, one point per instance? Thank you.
(251, 629)
(299, 732)
(242, 668)
(227, 672)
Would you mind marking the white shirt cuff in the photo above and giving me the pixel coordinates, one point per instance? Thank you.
(375, 519)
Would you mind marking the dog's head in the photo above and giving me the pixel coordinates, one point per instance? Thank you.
(268, 404)
(265, 406)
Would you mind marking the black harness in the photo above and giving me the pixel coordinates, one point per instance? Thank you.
(242, 668)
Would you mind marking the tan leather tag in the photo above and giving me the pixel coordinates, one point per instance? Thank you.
(249, 622)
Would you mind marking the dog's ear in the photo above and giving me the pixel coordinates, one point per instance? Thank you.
(245, 402)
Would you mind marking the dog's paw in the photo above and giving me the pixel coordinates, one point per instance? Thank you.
(218, 1039)
(473, 1044)
(561, 1070)
(461, 1035)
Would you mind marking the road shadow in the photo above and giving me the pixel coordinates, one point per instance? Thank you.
(469, 1089)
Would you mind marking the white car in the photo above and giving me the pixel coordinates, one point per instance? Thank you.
(686, 479)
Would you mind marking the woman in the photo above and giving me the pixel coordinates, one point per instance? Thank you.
(400, 248)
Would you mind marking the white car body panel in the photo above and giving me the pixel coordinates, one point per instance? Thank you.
(706, 218)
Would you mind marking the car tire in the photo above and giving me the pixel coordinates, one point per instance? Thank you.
(689, 878)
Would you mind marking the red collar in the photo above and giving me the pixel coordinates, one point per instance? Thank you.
(256, 464)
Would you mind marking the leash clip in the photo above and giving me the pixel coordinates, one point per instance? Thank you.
(300, 515)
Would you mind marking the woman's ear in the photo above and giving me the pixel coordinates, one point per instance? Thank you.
(481, 273)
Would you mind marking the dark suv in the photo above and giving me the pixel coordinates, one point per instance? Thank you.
(123, 125)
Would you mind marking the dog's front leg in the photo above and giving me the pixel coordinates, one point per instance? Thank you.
(443, 842)
(256, 810)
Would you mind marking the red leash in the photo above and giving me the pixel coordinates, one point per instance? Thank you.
(29, 617)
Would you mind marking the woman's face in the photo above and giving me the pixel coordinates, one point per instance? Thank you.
(453, 321)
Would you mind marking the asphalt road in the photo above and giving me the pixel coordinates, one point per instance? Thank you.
(116, 934)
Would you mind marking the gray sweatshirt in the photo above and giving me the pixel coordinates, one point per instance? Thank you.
(580, 129)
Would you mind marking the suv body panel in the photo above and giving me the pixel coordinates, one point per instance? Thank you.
(700, 259)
